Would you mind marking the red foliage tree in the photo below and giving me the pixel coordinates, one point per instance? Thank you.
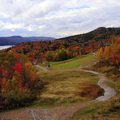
(118, 57)
(18, 67)
(118, 41)
(113, 60)
(69, 54)
(4, 73)
(20, 85)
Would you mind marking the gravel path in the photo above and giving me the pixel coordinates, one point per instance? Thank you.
(63, 112)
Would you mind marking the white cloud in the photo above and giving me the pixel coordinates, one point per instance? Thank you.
(3, 15)
(58, 18)
(32, 28)
(41, 26)
(8, 25)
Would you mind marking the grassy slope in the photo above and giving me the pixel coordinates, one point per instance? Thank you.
(73, 62)
(109, 110)
(68, 87)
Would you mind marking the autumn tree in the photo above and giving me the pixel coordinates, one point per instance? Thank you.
(63, 54)
(69, 54)
(107, 53)
(100, 55)
(78, 50)
(30, 77)
(18, 67)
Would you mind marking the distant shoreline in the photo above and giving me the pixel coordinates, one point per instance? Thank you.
(5, 46)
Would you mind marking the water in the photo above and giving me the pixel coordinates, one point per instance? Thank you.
(6, 46)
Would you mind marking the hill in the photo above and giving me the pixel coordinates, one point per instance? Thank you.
(14, 40)
(97, 34)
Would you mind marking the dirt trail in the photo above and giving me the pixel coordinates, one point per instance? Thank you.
(63, 112)
(45, 69)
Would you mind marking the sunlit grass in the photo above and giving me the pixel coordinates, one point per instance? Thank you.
(73, 63)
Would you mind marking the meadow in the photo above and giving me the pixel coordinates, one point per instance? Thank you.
(68, 87)
(78, 61)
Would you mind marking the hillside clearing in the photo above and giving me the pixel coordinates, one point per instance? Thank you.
(76, 62)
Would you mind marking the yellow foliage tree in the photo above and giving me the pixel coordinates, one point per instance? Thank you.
(8, 85)
(116, 49)
(30, 75)
(107, 53)
(14, 83)
(100, 56)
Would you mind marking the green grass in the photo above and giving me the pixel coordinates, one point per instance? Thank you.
(65, 88)
(76, 62)
(108, 110)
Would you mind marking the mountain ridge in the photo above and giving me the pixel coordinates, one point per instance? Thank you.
(96, 34)
(14, 40)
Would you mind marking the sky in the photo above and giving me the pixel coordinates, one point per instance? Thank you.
(56, 18)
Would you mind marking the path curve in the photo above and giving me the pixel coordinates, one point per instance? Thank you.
(45, 69)
(63, 112)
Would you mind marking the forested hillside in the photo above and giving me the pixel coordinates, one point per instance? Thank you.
(68, 47)
(97, 34)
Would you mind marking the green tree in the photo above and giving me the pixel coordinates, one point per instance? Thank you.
(64, 54)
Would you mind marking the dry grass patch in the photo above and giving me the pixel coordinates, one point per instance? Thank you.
(69, 87)
(90, 90)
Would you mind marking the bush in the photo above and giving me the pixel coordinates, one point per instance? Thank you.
(18, 99)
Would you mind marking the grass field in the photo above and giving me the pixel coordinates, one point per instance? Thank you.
(110, 109)
(78, 61)
(67, 88)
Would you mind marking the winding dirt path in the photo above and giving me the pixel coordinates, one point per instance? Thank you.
(63, 112)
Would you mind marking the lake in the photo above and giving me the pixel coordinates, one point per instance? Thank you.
(6, 46)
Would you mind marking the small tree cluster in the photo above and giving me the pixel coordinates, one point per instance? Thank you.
(58, 55)
(18, 80)
(110, 54)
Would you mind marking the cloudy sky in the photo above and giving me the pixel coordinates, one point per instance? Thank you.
(56, 18)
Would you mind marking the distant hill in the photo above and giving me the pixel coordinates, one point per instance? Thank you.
(14, 40)
(97, 34)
